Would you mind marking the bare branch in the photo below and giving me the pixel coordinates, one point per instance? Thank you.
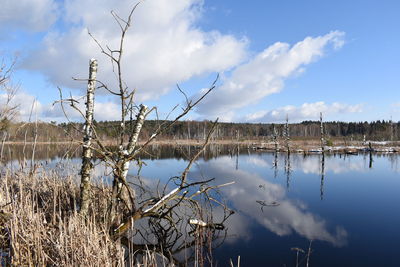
(101, 48)
(8, 109)
(140, 213)
(184, 94)
(102, 85)
(166, 125)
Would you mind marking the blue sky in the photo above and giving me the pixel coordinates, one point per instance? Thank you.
(274, 57)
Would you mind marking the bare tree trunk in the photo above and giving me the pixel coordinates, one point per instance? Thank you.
(322, 133)
(134, 138)
(121, 172)
(87, 165)
(287, 135)
(138, 127)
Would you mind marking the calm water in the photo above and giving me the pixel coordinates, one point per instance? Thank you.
(349, 210)
(347, 205)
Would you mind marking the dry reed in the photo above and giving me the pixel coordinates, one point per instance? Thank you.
(40, 226)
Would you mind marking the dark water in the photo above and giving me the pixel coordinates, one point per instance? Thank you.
(346, 206)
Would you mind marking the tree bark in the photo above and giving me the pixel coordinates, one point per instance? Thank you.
(122, 168)
(322, 133)
(87, 164)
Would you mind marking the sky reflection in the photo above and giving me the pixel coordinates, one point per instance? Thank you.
(308, 164)
(290, 216)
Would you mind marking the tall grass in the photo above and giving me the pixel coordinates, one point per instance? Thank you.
(39, 224)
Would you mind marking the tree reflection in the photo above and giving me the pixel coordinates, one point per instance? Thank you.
(275, 164)
(322, 176)
(184, 234)
(288, 170)
(251, 193)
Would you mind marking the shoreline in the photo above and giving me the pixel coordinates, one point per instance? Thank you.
(295, 146)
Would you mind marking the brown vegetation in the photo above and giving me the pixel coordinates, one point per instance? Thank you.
(40, 225)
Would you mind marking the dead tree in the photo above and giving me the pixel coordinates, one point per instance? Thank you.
(87, 165)
(8, 109)
(127, 204)
(322, 133)
(323, 157)
(287, 135)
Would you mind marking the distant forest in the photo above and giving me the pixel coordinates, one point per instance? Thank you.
(53, 132)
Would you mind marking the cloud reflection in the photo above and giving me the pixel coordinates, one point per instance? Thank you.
(290, 216)
(309, 164)
(335, 165)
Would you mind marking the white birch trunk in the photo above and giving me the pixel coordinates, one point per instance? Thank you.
(138, 127)
(121, 174)
(322, 133)
(87, 165)
(133, 139)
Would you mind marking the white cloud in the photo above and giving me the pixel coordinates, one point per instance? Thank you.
(103, 110)
(163, 47)
(31, 15)
(307, 111)
(30, 108)
(265, 74)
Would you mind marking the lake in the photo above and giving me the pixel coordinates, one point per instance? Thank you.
(343, 207)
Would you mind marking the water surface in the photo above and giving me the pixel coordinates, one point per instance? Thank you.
(345, 207)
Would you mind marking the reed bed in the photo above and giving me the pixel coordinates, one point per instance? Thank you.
(39, 225)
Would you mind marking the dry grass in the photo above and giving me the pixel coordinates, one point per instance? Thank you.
(40, 226)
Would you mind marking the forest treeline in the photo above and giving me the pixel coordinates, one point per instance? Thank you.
(108, 130)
